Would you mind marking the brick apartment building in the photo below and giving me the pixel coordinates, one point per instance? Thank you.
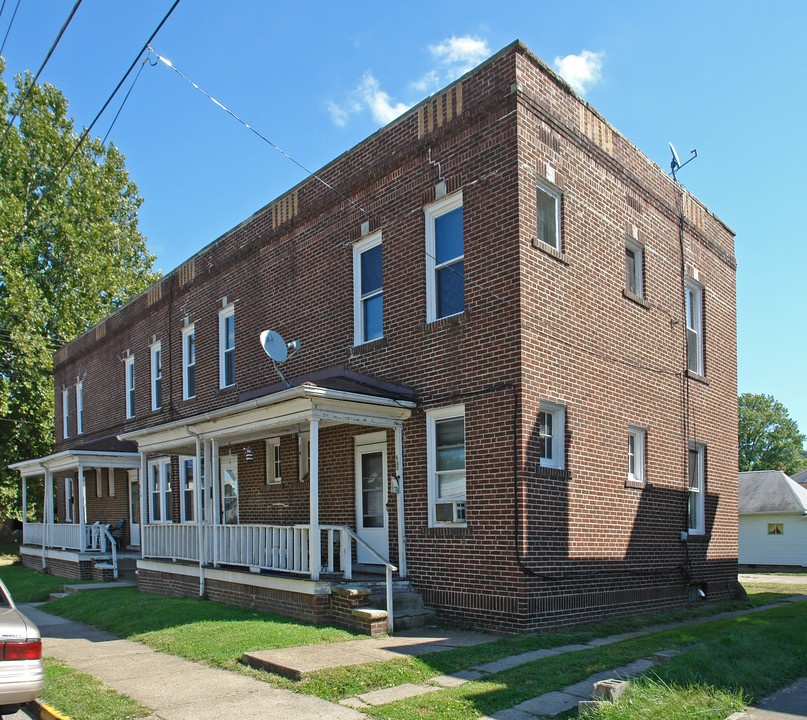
(516, 382)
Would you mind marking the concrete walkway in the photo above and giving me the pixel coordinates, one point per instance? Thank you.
(788, 704)
(174, 688)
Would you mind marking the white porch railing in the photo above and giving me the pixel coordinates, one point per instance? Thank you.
(67, 536)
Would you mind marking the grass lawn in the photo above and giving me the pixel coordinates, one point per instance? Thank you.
(79, 695)
(28, 586)
(9, 553)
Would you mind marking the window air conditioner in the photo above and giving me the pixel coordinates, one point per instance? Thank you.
(450, 512)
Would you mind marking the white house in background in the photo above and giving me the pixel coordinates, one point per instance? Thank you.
(773, 519)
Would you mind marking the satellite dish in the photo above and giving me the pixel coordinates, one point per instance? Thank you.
(676, 161)
(274, 345)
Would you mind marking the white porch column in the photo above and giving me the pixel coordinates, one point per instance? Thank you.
(197, 501)
(314, 540)
(144, 489)
(400, 499)
(47, 513)
(216, 500)
(24, 503)
(80, 503)
(206, 516)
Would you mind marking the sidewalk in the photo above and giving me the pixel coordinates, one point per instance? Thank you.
(176, 689)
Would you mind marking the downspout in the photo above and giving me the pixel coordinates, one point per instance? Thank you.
(197, 498)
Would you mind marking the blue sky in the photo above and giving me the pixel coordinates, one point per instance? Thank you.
(727, 78)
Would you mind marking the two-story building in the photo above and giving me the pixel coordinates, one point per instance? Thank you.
(515, 384)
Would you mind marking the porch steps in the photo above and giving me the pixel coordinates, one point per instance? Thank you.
(408, 610)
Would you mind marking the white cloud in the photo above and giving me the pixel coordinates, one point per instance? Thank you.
(580, 71)
(453, 57)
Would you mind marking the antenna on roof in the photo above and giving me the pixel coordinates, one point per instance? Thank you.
(676, 164)
(278, 350)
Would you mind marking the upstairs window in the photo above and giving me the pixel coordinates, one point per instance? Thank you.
(634, 279)
(445, 258)
(189, 362)
(66, 414)
(548, 214)
(445, 439)
(551, 420)
(694, 311)
(156, 376)
(695, 507)
(79, 408)
(130, 386)
(368, 290)
(227, 346)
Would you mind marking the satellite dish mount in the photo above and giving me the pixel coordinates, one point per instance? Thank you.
(278, 350)
(676, 164)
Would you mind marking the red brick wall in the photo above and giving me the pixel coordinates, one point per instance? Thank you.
(557, 327)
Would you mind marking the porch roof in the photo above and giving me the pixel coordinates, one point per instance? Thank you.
(276, 410)
(70, 460)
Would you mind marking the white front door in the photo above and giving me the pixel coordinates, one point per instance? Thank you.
(229, 489)
(134, 508)
(371, 501)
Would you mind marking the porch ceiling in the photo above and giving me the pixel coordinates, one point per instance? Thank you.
(72, 460)
(279, 413)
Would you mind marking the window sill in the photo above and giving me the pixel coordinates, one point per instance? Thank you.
(637, 484)
(450, 321)
(369, 346)
(446, 531)
(633, 297)
(698, 377)
(550, 472)
(549, 250)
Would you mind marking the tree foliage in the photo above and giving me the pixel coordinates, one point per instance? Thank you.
(769, 439)
(77, 259)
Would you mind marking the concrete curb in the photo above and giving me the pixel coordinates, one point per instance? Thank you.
(40, 711)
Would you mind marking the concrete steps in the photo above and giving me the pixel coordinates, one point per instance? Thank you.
(408, 610)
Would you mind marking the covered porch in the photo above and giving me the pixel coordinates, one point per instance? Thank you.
(297, 484)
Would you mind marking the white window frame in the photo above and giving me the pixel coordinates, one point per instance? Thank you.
(555, 196)
(697, 492)
(99, 483)
(79, 408)
(110, 480)
(224, 315)
(433, 417)
(188, 366)
(558, 437)
(694, 326)
(163, 493)
(66, 414)
(359, 299)
(273, 462)
(183, 488)
(435, 210)
(637, 437)
(68, 496)
(638, 267)
(130, 386)
(304, 451)
(156, 376)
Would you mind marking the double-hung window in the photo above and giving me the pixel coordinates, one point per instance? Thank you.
(227, 346)
(694, 311)
(159, 488)
(697, 475)
(79, 408)
(445, 440)
(130, 386)
(636, 443)
(368, 290)
(187, 478)
(445, 258)
(548, 216)
(273, 476)
(188, 362)
(66, 414)
(634, 278)
(551, 423)
(156, 376)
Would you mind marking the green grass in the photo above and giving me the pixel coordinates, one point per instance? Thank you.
(195, 629)
(79, 695)
(761, 592)
(28, 586)
(9, 552)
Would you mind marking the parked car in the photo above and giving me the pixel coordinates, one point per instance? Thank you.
(21, 670)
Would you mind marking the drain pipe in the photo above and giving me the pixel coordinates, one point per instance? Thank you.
(197, 498)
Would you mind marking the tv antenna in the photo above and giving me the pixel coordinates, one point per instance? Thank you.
(676, 164)
(278, 350)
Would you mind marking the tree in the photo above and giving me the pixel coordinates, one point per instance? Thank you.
(78, 258)
(769, 439)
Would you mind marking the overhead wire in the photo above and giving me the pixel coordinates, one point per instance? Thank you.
(85, 134)
(38, 72)
(11, 22)
(131, 87)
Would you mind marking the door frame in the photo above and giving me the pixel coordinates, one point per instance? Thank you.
(231, 462)
(365, 444)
